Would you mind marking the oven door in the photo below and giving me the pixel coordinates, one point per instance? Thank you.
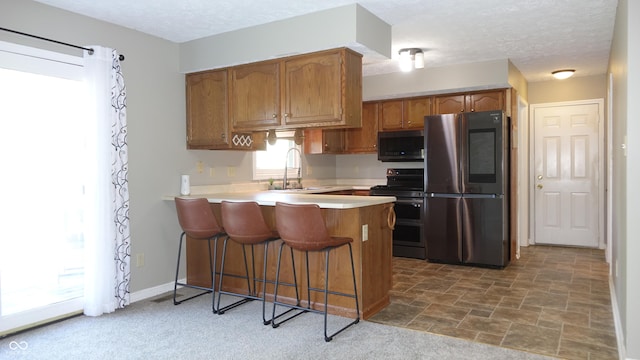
(408, 234)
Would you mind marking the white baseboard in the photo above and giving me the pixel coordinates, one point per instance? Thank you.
(154, 291)
(622, 351)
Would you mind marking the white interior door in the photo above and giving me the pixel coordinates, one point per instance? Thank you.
(566, 171)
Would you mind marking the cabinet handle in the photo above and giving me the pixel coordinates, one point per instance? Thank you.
(461, 110)
(286, 115)
(274, 116)
(223, 135)
(391, 218)
(472, 110)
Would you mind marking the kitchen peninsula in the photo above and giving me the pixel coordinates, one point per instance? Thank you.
(369, 220)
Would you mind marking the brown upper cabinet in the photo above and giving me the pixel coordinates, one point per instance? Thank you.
(364, 140)
(324, 141)
(207, 110)
(477, 101)
(404, 114)
(390, 115)
(415, 109)
(322, 89)
(208, 116)
(255, 95)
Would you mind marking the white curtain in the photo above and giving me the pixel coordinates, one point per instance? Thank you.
(107, 235)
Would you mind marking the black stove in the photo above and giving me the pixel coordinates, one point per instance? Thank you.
(402, 183)
(407, 186)
(397, 191)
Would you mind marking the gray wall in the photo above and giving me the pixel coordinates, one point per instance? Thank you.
(571, 89)
(427, 81)
(351, 25)
(624, 65)
(156, 117)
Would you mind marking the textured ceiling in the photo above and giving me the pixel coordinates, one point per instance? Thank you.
(538, 36)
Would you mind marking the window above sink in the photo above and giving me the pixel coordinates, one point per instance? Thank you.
(270, 163)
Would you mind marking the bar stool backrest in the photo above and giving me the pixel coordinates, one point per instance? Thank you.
(243, 222)
(196, 218)
(302, 226)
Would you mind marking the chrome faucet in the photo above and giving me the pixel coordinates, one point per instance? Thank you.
(286, 163)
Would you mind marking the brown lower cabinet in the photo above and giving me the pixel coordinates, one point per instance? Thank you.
(372, 259)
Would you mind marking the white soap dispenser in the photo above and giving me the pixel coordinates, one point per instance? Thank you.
(185, 185)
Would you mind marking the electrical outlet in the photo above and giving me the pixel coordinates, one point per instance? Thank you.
(231, 171)
(212, 172)
(139, 260)
(199, 167)
(365, 232)
(309, 170)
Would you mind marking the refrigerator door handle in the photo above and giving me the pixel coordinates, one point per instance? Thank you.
(483, 196)
(442, 195)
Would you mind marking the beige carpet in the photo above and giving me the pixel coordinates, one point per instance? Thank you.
(156, 329)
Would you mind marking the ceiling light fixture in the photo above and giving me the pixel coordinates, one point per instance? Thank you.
(563, 74)
(411, 58)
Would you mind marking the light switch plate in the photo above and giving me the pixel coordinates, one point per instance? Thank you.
(365, 232)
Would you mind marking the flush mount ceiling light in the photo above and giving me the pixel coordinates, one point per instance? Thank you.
(411, 58)
(563, 74)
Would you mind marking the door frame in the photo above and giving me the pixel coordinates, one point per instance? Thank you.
(602, 160)
(521, 140)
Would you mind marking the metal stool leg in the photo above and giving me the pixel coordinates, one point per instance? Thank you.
(328, 338)
(297, 306)
(246, 298)
(264, 284)
(212, 265)
(176, 283)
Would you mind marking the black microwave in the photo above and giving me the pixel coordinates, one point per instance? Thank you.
(406, 145)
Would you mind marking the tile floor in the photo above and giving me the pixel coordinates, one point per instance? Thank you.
(553, 301)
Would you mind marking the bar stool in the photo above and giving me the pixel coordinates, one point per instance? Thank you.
(243, 222)
(302, 228)
(198, 222)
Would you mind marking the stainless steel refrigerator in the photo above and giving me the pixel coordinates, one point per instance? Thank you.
(466, 188)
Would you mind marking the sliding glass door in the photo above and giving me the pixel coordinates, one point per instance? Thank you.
(41, 152)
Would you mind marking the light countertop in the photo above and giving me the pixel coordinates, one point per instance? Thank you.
(298, 196)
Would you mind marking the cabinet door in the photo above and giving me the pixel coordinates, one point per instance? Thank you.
(414, 112)
(485, 101)
(319, 141)
(449, 104)
(364, 139)
(390, 115)
(312, 90)
(255, 96)
(207, 110)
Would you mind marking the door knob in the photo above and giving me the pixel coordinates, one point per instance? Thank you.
(539, 177)
(539, 186)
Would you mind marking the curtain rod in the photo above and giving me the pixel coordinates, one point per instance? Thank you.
(90, 50)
